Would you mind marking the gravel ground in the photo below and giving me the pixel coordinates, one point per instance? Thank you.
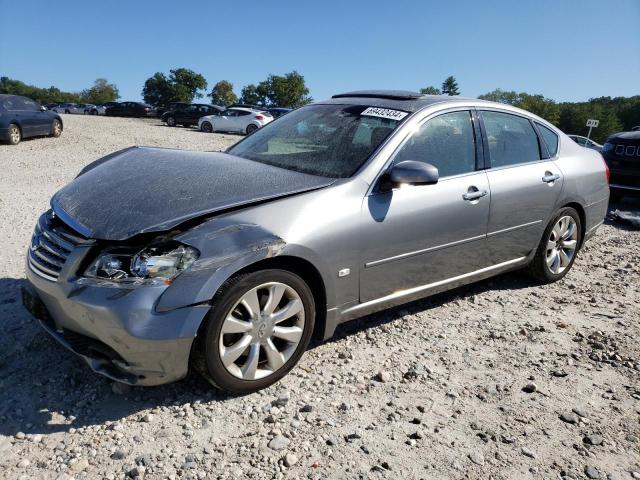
(504, 379)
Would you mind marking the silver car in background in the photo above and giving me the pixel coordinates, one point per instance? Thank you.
(235, 119)
(69, 108)
(154, 260)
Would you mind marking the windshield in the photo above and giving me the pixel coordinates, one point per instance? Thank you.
(326, 140)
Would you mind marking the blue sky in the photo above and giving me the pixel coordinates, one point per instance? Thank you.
(565, 49)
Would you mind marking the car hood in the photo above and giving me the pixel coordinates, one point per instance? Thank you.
(141, 190)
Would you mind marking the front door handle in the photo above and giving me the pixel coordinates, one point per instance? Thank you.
(550, 177)
(474, 194)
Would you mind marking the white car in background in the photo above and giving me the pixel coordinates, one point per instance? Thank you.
(586, 142)
(236, 119)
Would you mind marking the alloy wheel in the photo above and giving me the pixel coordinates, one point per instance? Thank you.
(57, 128)
(562, 244)
(262, 331)
(14, 133)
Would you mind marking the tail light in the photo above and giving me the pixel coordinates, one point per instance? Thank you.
(607, 173)
(259, 117)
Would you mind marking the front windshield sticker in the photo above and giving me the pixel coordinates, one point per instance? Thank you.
(385, 113)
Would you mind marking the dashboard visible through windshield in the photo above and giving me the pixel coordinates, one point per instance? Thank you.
(325, 140)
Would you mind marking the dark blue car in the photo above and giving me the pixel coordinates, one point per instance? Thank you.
(21, 117)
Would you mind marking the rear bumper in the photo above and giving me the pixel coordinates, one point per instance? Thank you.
(117, 332)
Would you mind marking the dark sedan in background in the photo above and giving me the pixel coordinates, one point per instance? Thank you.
(189, 114)
(21, 117)
(131, 109)
(621, 151)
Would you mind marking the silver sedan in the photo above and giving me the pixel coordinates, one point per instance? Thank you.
(230, 262)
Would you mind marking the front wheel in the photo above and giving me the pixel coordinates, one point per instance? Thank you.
(15, 135)
(56, 128)
(257, 330)
(558, 248)
(251, 128)
(171, 121)
(206, 127)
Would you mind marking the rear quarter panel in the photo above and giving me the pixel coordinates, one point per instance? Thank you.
(585, 181)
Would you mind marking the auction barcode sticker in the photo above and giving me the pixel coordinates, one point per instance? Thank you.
(385, 113)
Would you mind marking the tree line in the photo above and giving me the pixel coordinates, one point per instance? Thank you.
(183, 85)
(290, 90)
(100, 92)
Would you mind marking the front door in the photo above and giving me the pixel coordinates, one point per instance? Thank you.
(414, 236)
(524, 185)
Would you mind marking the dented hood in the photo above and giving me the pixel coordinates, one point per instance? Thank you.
(141, 190)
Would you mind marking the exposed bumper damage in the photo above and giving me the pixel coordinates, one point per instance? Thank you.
(142, 335)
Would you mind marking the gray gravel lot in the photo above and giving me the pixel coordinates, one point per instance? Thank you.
(504, 379)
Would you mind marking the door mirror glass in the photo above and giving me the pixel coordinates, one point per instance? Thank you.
(412, 172)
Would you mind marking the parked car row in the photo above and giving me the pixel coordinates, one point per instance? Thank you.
(240, 118)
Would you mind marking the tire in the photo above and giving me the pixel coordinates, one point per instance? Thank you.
(15, 134)
(206, 127)
(67, 111)
(56, 128)
(251, 128)
(171, 121)
(260, 338)
(548, 267)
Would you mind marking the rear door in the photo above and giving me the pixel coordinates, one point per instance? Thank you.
(414, 236)
(525, 184)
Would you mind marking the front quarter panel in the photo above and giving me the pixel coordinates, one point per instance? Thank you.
(319, 227)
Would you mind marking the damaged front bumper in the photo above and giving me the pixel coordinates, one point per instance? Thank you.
(116, 331)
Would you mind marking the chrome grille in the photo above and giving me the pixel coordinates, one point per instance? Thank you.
(51, 244)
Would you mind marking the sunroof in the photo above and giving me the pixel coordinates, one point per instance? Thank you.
(388, 94)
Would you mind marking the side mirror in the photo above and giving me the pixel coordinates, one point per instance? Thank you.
(43, 108)
(411, 172)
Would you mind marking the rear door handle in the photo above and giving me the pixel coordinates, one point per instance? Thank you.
(550, 177)
(474, 194)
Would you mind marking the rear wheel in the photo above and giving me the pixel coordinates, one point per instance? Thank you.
(251, 128)
(15, 135)
(206, 127)
(558, 248)
(257, 330)
(56, 128)
(171, 121)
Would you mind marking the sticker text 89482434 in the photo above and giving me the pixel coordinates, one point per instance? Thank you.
(385, 113)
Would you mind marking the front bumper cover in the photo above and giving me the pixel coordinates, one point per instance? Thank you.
(116, 331)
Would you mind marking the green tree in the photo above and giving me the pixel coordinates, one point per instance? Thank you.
(252, 95)
(42, 95)
(536, 104)
(101, 92)
(450, 86)
(182, 85)
(222, 93)
(574, 116)
(430, 90)
(287, 90)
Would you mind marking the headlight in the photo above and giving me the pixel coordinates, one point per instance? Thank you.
(607, 147)
(155, 264)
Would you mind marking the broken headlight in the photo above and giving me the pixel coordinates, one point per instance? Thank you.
(154, 264)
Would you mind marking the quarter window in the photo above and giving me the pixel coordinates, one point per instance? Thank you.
(446, 141)
(550, 139)
(512, 139)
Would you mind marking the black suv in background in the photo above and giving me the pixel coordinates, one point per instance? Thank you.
(621, 151)
(189, 114)
(131, 109)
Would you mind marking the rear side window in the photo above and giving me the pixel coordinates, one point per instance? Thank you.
(550, 139)
(512, 139)
(446, 142)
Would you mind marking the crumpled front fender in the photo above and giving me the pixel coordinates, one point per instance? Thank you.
(225, 247)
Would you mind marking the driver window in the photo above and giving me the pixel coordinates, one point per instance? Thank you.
(446, 142)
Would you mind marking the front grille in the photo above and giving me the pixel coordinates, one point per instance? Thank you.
(90, 347)
(51, 244)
